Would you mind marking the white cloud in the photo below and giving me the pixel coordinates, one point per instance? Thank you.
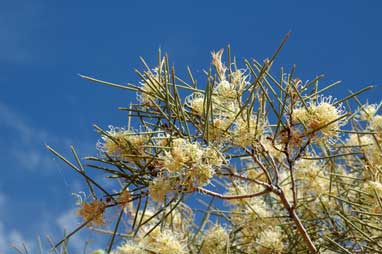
(23, 148)
(9, 238)
(25, 144)
(3, 239)
(68, 220)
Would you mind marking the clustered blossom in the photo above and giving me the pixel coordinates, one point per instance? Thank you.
(215, 241)
(321, 116)
(196, 101)
(160, 187)
(150, 86)
(376, 123)
(93, 212)
(124, 144)
(227, 90)
(166, 242)
(168, 239)
(253, 215)
(125, 199)
(311, 178)
(228, 124)
(368, 112)
(184, 166)
(246, 131)
(270, 241)
(369, 144)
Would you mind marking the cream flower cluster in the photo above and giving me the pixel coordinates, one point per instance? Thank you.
(186, 165)
(253, 216)
(215, 241)
(320, 117)
(311, 178)
(369, 144)
(158, 241)
(151, 86)
(270, 241)
(228, 125)
(123, 144)
(368, 112)
(167, 239)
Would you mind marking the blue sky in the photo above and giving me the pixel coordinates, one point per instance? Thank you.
(45, 44)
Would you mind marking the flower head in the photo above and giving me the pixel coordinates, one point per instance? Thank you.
(123, 144)
(160, 187)
(92, 211)
(217, 62)
(215, 241)
(124, 199)
(311, 178)
(368, 112)
(270, 241)
(129, 248)
(322, 116)
(195, 101)
(376, 123)
(226, 90)
(246, 131)
(165, 241)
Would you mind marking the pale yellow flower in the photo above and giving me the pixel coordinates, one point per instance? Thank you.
(164, 242)
(123, 144)
(368, 112)
(311, 178)
(160, 187)
(129, 248)
(225, 90)
(125, 200)
(195, 101)
(270, 241)
(215, 241)
(199, 175)
(376, 123)
(247, 132)
(320, 116)
(371, 148)
(239, 80)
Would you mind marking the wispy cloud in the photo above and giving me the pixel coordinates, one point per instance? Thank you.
(68, 221)
(24, 146)
(9, 236)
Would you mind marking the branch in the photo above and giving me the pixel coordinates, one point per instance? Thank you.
(300, 227)
(230, 197)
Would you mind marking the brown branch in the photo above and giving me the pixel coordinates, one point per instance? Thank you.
(300, 227)
(230, 197)
(231, 174)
